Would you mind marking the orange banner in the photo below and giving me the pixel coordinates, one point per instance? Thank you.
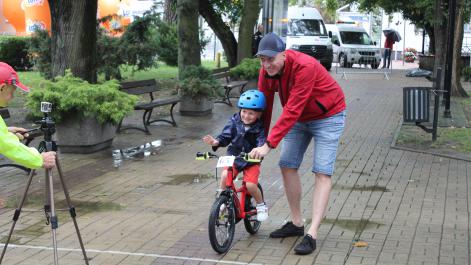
(15, 15)
(37, 15)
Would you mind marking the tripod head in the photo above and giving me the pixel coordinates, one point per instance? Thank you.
(47, 126)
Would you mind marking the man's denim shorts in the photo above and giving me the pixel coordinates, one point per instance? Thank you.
(325, 132)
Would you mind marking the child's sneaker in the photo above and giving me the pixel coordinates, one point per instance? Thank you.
(262, 212)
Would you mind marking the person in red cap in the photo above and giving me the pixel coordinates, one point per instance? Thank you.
(313, 109)
(10, 145)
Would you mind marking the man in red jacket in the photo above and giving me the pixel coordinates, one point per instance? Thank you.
(313, 108)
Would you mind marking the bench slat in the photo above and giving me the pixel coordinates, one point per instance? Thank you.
(148, 87)
(157, 103)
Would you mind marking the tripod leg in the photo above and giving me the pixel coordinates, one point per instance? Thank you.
(47, 200)
(16, 216)
(54, 221)
(71, 209)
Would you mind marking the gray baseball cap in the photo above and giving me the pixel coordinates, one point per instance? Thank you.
(270, 45)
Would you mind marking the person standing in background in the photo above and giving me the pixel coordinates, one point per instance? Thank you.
(256, 37)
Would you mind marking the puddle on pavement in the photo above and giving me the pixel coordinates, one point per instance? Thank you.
(187, 179)
(352, 224)
(13, 240)
(360, 188)
(136, 152)
(82, 207)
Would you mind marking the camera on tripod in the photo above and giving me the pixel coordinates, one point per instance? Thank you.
(47, 126)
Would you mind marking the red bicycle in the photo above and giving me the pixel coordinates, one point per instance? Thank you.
(232, 205)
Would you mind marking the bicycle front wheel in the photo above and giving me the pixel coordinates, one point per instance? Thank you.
(221, 225)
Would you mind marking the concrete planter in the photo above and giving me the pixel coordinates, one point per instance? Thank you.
(84, 135)
(196, 106)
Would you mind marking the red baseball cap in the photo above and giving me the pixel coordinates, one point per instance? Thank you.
(10, 77)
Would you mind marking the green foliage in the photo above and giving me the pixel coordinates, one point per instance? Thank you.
(14, 51)
(197, 81)
(109, 55)
(72, 96)
(167, 43)
(40, 49)
(230, 9)
(140, 43)
(248, 69)
(466, 72)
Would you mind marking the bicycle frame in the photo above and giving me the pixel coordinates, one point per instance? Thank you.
(239, 203)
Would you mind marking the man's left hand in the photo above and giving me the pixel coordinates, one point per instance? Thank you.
(19, 132)
(260, 152)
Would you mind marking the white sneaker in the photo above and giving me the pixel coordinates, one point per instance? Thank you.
(262, 212)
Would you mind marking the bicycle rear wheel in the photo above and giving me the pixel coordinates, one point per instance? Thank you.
(221, 226)
(250, 221)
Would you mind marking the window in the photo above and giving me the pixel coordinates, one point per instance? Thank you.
(306, 27)
(352, 37)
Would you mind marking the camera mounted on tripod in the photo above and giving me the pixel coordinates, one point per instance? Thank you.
(48, 127)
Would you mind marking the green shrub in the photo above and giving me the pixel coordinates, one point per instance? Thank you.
(40, 49)
(466, 73)
(109, 55)
(248, 69)
(72, 96)
(14, 51)
(197, 81)
(167, 43)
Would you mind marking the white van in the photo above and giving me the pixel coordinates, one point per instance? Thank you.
(306, 33)
(352, 45)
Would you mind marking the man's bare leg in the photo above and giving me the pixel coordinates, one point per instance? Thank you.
(292, 184)
(320, 198)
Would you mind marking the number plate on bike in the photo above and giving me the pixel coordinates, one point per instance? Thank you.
(225, 161)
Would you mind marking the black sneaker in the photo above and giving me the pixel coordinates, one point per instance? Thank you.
(307, 245)
(289, 229)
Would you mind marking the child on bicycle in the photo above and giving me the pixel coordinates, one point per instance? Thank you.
(243, 133)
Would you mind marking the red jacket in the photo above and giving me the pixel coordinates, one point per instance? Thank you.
(388, 43)
(308, 92)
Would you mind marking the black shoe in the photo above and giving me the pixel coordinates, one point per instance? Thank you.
(289, 229)
(307, 245)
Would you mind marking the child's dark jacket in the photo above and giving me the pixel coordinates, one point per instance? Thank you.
(240, 140)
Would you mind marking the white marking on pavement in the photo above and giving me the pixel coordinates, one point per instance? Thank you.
(130, 254)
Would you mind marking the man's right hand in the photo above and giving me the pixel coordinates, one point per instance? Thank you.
(49, 159)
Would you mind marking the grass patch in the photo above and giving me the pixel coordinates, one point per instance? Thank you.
(450, 141)
(454, 138)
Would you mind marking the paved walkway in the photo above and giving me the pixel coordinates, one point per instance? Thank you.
(410, 208)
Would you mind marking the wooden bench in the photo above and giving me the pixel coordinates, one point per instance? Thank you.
(148, 87)
(222, 74)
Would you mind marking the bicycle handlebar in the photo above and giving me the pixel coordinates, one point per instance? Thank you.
(208, 155)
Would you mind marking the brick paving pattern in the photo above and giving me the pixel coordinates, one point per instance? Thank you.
(410, 208)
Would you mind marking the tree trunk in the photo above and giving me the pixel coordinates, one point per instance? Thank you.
(188, 35)
(440, 38)
(456, 87)
(170, 14)
(247, 24)
(431, 36)
(222, 31)
(73, 40)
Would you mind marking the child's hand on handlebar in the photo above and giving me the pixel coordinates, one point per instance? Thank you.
(208, 139)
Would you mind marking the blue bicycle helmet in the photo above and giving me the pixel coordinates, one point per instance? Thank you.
(252, 99)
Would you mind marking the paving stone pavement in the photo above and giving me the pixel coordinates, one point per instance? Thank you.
(410, 208)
